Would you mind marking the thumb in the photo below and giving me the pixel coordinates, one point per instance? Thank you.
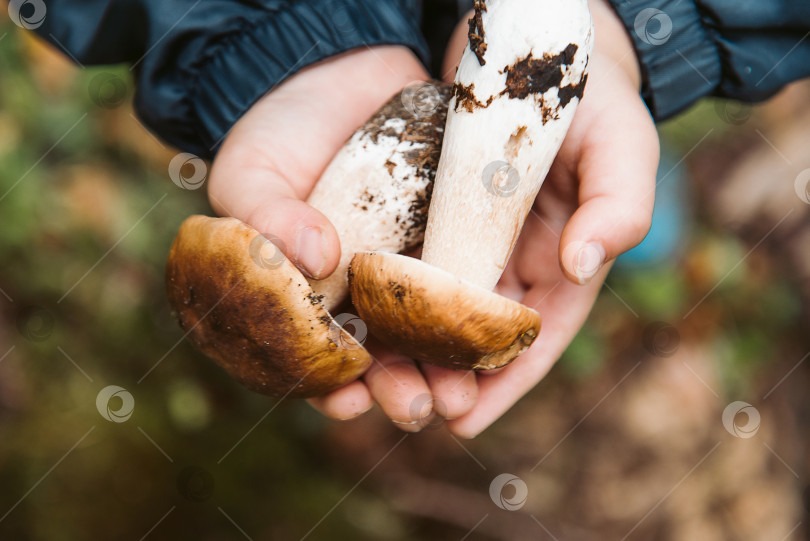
(265, 201)
(616, 192)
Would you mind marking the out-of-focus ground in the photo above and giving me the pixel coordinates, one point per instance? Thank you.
(624, 440)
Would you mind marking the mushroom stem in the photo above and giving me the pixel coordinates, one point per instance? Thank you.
(377, 188)
(513, 103)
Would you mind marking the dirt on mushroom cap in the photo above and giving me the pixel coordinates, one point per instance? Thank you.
(261, 323)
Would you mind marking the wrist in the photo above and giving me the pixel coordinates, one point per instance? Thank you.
(319, 108)
(361, 74)
(348, 87)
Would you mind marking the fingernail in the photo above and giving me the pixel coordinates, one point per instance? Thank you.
(310, 252)
(356, 414)
(588, 260)
(433, 420)
(410, 426)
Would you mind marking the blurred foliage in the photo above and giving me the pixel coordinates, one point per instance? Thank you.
(89, 213)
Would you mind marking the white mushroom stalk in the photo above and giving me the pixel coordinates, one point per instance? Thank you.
(377, 189)
(516, 90)
(514, 98)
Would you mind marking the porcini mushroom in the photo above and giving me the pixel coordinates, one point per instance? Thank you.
(241, 301)
(515, 93)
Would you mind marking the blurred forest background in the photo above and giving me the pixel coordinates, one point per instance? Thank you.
(624, 440)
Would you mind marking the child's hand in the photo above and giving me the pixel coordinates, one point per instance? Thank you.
(600, 190)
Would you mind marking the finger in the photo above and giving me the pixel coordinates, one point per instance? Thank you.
(454, 391)
(345, 403)
(617, 190)
(499, 392)
(510, 285)
(266, 202)
(455, 48)
(400, 389)
(569, 305)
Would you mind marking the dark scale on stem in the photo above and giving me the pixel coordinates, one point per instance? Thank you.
(529, 76)
(537, 75)
(570, 92)
(427, 134)
(412, 129)
(466, 100)
(478, 45)
(417, 217)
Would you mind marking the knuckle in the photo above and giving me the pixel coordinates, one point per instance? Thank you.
(637, 224)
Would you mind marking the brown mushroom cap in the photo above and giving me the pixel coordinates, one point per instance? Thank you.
(242, 303)
(432, 316)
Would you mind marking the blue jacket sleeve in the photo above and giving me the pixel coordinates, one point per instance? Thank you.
(200, 64)
(741, 49)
